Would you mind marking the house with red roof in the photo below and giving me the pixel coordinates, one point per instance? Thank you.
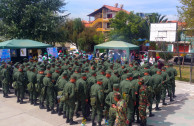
(102, 17)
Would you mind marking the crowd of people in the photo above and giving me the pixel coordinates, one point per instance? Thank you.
(120, 93)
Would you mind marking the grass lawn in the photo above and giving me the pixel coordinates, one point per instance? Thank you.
(185, 72)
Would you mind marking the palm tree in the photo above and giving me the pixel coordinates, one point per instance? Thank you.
(155, 18)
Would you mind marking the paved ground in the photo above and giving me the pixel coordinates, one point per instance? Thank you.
(178, 113)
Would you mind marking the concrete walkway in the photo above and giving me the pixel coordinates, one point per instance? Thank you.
(178, 113)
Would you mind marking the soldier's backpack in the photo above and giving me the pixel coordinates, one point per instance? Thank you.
(30, 86)
(14, 85)
(64, 97)
(37, 87)
(126, 95)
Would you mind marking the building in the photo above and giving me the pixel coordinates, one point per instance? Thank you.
(102, 17)
(185, 42)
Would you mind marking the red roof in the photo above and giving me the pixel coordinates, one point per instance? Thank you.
(179, 23)
(115, 9)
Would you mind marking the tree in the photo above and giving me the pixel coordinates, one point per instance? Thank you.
(127, 27)
(154, 18)
(83, 37)
(32, 19)
(89, 38)
(186, 13)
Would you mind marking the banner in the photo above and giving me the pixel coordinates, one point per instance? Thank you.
(23, 52)
(13, 53)
(5, 55)
(53, 51)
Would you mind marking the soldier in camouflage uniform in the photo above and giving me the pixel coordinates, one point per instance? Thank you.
(49, 92)
(111, 102)
(20, 82)
(69, 91)
(121, 111)
(97, 101)
(39, 78)
(6, 79)
(143, 102)
(82, 94)
(173, 79)
(31, 86)
(157, 81)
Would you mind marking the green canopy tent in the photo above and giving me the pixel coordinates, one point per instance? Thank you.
(23, 43)
(117, 45)
(17, 44)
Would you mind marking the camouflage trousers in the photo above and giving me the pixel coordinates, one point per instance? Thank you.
(142, 113)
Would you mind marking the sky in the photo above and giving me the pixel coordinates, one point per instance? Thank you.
(81, 8)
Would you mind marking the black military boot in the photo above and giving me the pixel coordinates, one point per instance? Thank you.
(163, 102)
(77, 115)
(59, 111)
(93, 123)
(130, 123)
(64, 115)
(99, 124)
(137, 119)
(35, 102)
(171, 100)
(6, 95)
(41, 105)
(48, 109)
(31, 102)
(52, 111)
(150, 114)
(72, 122)
(21, 101)
(157, 108)
(18, 100)
(67, 121)
(3, 94)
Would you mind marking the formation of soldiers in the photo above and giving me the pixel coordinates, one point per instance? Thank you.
(70, 84)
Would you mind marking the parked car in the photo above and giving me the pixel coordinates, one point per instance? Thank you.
(187, 59)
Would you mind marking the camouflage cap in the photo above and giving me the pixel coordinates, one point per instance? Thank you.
(115, 86)
(57, 68)
(49, 72)
(86, 69)
(141, 80)
(129, 75)
(100, 79)
(163, 68)
(73, 77)
(147, 71)
(136, 75)
(32, 68)
(83, 74)
(41, 69)
(92, 72)
(147, 66)
(64, 73)
(158, 70)
(48, 66)
(108, 72)
(115, 71)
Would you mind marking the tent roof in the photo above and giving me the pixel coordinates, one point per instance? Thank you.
(22, 43)
(116, 45)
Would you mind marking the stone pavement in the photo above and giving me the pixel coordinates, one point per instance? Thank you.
(178, 113)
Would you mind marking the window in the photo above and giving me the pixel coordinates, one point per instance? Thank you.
(109, 15)
(108, 25)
